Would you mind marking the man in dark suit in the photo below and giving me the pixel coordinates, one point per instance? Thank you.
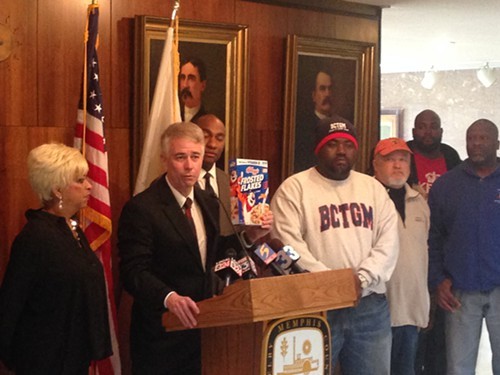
(214, 179)
(192, 84)
(167, 252)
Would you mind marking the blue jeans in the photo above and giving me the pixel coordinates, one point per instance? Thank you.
(361, 337)
(431, 350)
(404, 350)
(463, 330)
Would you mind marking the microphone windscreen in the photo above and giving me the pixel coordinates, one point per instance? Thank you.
(265, 253)
(295, 256)
(222, 265)
(283, 260)
(231, 253)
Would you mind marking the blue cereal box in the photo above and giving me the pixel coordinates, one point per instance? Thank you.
(249, 191)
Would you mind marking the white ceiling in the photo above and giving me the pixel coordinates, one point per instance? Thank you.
(444, 34)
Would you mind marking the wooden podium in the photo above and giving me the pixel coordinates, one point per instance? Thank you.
(234, 322)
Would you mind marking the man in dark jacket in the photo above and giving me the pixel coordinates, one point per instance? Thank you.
(168, 241)
(464, 252)
(430, 160)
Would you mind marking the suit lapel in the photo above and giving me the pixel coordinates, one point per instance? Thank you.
(209, 207)
(177, 220)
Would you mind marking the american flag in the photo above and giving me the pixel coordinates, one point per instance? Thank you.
(96, 217)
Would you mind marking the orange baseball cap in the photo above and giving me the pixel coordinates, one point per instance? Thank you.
(388, 145)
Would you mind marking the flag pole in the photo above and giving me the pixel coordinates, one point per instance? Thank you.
(174, 23)
(84, 86)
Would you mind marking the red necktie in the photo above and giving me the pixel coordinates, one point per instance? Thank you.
(187, 211)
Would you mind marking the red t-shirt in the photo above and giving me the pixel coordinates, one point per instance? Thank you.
(428, 170)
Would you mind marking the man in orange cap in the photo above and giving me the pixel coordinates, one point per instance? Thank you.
(407, 289)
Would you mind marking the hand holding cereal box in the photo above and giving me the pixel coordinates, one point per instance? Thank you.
(249, 190)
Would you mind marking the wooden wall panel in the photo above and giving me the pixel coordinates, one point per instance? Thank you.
(18, 78)
(59, 60)
(264, 127)
(40, 87)
(213, 10)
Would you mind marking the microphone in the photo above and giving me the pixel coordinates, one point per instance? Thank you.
(284, 261)
(295, 256)
(248, 268)
(291, 254)
(227, 268)
(267, 256)
(244, 254)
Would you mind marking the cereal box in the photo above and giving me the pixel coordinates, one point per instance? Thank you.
(249, 190)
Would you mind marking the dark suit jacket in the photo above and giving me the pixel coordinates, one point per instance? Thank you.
(159, 254)
(226, 228)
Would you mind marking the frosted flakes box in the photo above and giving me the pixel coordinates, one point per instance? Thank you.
(249, 190)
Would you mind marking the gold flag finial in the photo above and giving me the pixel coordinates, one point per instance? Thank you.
(174, 12)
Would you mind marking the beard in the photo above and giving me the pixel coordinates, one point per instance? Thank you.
(425, 147)
(396, 182)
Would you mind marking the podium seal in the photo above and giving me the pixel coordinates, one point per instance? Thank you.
(299, 345)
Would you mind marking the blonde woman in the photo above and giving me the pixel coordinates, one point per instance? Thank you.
(53, 311)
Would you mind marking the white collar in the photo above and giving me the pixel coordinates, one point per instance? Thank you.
(181, 199)
(190, 112)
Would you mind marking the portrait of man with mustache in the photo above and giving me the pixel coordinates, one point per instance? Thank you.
(322, 100)
(192, 84)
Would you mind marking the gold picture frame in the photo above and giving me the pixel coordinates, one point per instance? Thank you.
(223, 48)
(351, 67)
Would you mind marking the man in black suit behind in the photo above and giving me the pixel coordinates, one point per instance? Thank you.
(165, 263)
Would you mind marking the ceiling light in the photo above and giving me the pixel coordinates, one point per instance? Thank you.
(429, 80)
(486, 75)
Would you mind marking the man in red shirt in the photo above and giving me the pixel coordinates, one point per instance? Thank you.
(431, 158)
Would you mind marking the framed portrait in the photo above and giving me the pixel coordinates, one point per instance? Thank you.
(222, 47)
(391, 123)
(326, 77)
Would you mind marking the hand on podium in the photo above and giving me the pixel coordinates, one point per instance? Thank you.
(184, 308)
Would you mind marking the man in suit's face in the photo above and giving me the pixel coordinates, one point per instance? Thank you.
(182, 160)
(215, 139)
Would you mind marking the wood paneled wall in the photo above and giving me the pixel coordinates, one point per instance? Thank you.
(40, 82)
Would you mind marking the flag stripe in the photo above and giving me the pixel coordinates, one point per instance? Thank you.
(98, 175)
(93, 137)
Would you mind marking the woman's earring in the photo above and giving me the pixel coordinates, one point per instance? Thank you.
(60, 202)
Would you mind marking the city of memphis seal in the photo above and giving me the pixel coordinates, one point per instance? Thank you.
(299, 345)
